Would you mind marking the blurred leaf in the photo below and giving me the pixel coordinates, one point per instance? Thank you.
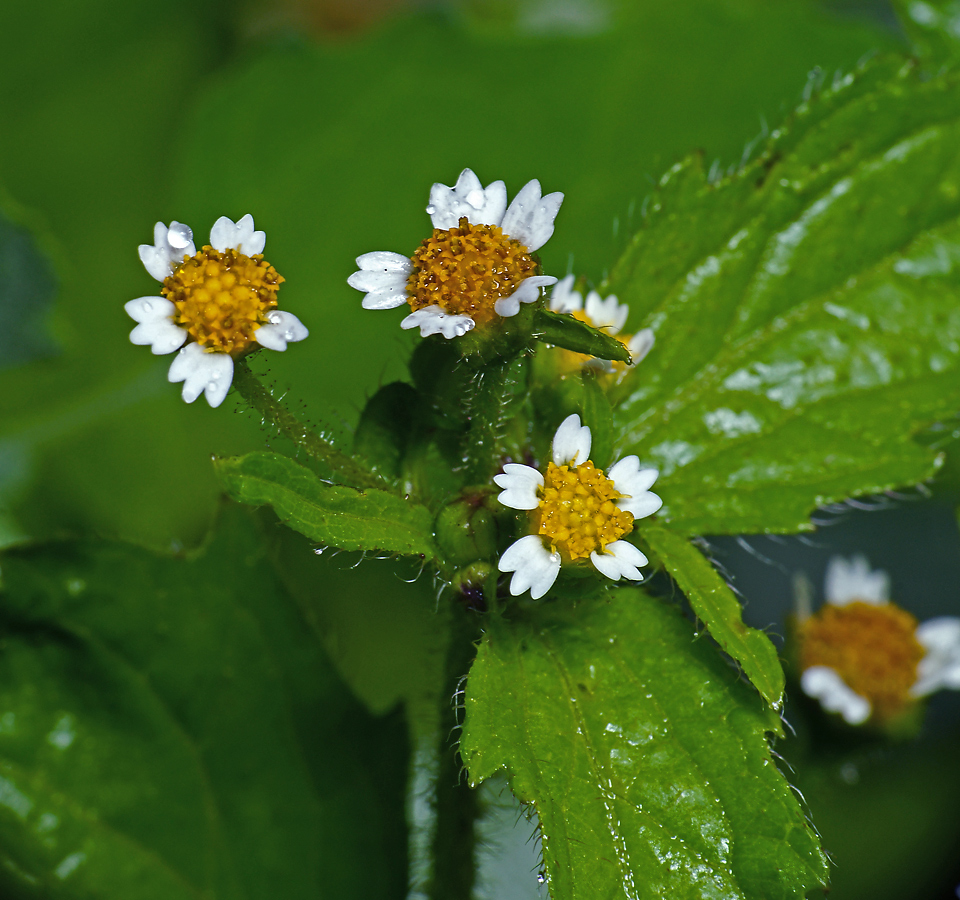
(332, 514)
(170, 728)
(933, 26)
(644, 756)
(386, 425)
(26, 292)
(718, 608)
(807, 311)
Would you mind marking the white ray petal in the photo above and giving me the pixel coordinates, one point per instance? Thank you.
(851, 580)
(563, 298)
(571, 443)
(520, 484)
(281, 328)
(433, 320)
(229, 235)
(202, 373)
(147, 309)
(535, 568)
(608, 314)
(527, 292)
(940, 667)
(161, 334)
(529, 218)
(640, 345)
(468, 197)
(824, 684)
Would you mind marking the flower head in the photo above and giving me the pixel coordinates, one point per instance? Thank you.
(577, 512)
(215, 305)
(862, 656)
(475, 266)
(605, 314)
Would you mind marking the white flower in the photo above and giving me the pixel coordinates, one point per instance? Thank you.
(605, 314)
(863, 656)
(223, 298)
(475, 266)
(569, 495)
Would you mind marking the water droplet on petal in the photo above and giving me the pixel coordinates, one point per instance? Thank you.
(475, 198)
(288, 334)
(147, 306)
(431, 209)
(179, 235)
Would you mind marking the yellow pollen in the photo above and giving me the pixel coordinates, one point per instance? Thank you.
(578, 511)
(467, 269)
(222, 298)
(872, 647)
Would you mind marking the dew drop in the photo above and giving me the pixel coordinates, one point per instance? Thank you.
(431, 209)
(542, 879)
(179, 235)
(147, 306)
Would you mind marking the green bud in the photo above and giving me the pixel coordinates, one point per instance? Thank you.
(563, 330)
(465, 529)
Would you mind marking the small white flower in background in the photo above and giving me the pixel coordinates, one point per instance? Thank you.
(576, 512)
(862, 656)
(608, 315)
(475, 266)
(222, 301)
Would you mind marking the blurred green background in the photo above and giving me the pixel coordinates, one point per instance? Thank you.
(328, 121)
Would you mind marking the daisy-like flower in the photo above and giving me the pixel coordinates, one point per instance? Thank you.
(214, 306)
(605, 314)
(475, 266)
(576, 512)
(864, 657)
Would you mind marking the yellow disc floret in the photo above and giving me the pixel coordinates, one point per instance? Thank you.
(467, 269)
(872, 647)
(222, 298)
(578, 511)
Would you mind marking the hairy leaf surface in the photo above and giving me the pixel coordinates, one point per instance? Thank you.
(333, 514)
(645, 757)
(170, 730)
(806, 310)
(719, 609)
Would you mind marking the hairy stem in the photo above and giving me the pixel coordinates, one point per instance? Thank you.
(457, 804)
(343, 465)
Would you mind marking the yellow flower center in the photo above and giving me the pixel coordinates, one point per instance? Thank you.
(872, 647)
(467, 269)
(222, 298)
(578, 511)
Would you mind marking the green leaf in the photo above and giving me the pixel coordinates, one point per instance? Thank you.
(385, 426)
(718, 608)
(26, 291)
(171, 729)
(933, 26)
(644, 755)
(563, 330)
(332, 514)
(806, 310)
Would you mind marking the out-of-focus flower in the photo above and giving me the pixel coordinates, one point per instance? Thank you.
(866, 658)
(606, 314)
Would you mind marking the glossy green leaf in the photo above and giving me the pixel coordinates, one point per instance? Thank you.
(718, 608)
(333, 514)
(170, 729)
(806, 310)
(933, 26)
(645, 757)
(565, 331)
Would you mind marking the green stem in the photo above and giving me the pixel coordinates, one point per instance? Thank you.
(344, 465)
(457, 804)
